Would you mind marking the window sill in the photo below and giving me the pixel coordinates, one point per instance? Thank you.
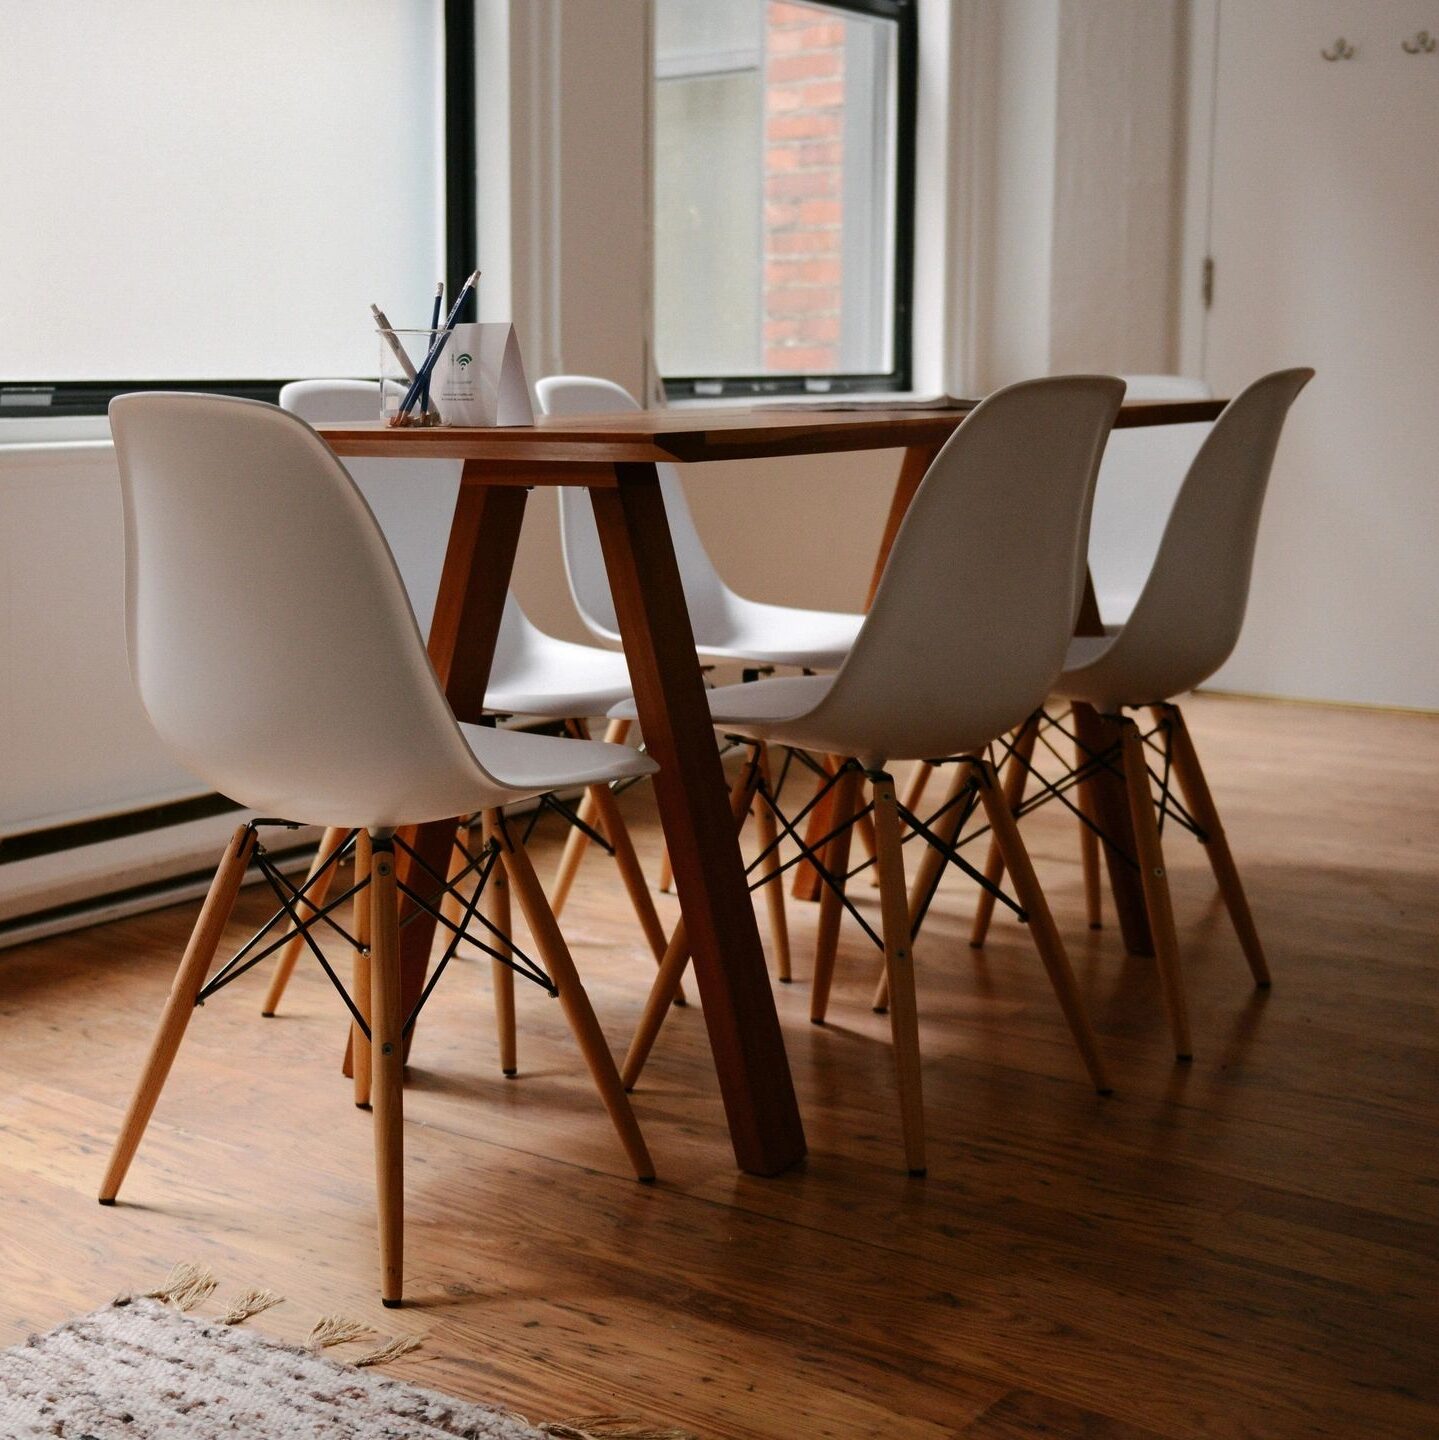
(54, 430)
(818, 400)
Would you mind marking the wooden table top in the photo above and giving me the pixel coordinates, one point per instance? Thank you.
(694, 435)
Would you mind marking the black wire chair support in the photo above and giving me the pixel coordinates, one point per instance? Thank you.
(1108, 761)
(243, 960)
(292, 897)
(788, 827)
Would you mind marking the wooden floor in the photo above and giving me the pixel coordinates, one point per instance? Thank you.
(1242, 1247)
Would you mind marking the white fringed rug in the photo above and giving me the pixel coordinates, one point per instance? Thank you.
(138, 1370)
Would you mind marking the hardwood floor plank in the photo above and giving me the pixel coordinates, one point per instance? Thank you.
(1244, 1249)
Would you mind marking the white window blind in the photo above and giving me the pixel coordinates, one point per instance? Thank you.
(776, 219)
(204, 190)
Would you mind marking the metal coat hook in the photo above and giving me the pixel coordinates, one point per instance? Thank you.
(1422, 44)
(1342, 50)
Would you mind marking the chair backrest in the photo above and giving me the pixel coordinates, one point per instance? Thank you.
(1142, 471)
(1188, 616)
(414, 502)
(269, 633)
(706, 594)
(970, 623)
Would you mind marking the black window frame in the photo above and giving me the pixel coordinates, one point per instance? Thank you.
(69, 398)
(905, 13)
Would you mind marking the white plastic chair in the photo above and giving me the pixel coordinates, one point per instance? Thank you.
(1183, 626)
(275, 653)
(532, 674)
(1142, 471)
(726, 626)
(966, 635)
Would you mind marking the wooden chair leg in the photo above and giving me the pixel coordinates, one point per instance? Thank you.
(180, 1005)
(1153, 876)
(880, 1003)
(388, 1091)
(1016, 774)
(926, 877)
(657, 1005)
(498, 912)
(576, 843)
(1200, 804)
(1041, 923)
(919, 779)
(361, 1062)
(1089, 847)
(774, 889)
(586, 1028)
(667, 873)
(931, 863)
(677, 953)
(601, 811)
(864, 830)
(314, 899)
(899, 967)
(806, 884)
(618, 834)
(845, 798)
(451, 906)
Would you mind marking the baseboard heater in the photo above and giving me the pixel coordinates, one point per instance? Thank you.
(88, 872)
(105, 867)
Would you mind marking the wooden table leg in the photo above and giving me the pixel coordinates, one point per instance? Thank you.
(473, 585)
(916, 461)
(1110, 798)
(729, 962)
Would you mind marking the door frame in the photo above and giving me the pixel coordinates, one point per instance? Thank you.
(1201, 75)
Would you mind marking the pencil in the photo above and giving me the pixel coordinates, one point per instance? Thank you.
(393, 341)
(428, 364)
(434, 321)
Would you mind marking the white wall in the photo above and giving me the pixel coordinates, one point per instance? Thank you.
(76, 745)
(1323, 211)
(1050, 165)
(1077, 108)
(1000, 245)
(576, 141)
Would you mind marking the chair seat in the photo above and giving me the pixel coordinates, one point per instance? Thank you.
(559, 680)
(766, 634)
(531, 765)
(781, 709)
(1078, 679)
(513, 766)
(1084, 650)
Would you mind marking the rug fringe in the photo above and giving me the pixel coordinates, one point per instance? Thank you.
(247, 1303)
(186, 1286)
(337, 1330)
(611, 1427)
(392, 1350)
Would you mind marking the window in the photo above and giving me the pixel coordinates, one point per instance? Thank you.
(209, 196)
(784, 179)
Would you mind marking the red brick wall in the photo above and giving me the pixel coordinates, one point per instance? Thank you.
(803, 175)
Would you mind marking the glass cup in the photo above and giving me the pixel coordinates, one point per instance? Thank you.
(396, 373)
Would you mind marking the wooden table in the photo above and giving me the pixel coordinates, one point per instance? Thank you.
(614, 457)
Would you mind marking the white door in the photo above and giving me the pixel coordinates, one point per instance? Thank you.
(1324, 231)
